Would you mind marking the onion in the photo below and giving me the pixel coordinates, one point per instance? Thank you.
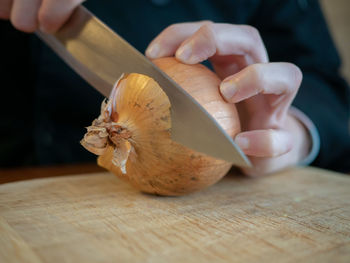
(132, 134)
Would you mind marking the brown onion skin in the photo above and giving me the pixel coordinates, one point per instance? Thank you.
(177, 170)
(203, 85)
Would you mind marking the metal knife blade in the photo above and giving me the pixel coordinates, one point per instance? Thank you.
(101, 56)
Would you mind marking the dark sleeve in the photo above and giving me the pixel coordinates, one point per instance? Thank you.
(295, 31)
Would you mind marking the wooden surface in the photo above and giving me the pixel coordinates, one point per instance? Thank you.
(301, 215)
(26, 173)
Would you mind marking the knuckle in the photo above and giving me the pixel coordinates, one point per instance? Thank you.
(256, 73)
(23, 25)
(47, 21)
(51, 18)
(43, 18)
(297, 75)
(279, 143)
(253, 33)
(207, 23)
(273, 143)
(68, 3)
(73, 3)
(172, 28)
(207, 27)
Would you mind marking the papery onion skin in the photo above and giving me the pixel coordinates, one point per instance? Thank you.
(155, 164)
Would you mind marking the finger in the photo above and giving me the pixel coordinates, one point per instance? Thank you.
(24, 15)
(5, 9)
(219, 39)
(265, 143)
(225, 66)
(53, 13)
(199, 47)
(270, 78)
(222, 40)
(168, 41)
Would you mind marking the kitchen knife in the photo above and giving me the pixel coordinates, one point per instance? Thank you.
(101, 56)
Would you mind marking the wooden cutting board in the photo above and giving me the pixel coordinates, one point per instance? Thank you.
(300, 215)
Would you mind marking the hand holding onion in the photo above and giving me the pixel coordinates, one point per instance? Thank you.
(261, 91)
(132, 134)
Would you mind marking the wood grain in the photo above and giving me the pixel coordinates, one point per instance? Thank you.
(26, 173)
(300, 215)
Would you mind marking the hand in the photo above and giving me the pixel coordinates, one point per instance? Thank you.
(30, 15)
(262, 91)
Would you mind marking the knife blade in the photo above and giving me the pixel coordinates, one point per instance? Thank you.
(101, 56)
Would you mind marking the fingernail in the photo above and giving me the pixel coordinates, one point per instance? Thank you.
(242, 142)
(184, 52)
(153, 51)
(228, 89)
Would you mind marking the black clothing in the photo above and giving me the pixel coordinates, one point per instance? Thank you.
(45, 105)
